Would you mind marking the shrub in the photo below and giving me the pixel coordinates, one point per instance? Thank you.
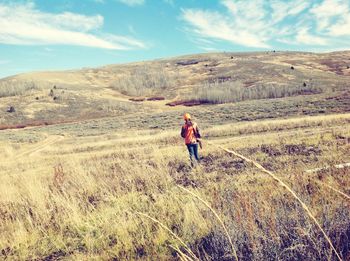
(11, 109)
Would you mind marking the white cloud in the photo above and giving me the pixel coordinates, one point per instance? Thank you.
(125, 41)
(328, 11)
(342, 28)
(260, 23)
(303, 36)
(244, 23)
(214, 25)
(25, 25)
(333, 17)
(281, 10)
(132, 2)
(71, 21)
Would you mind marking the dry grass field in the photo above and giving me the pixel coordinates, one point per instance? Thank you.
(95, 176)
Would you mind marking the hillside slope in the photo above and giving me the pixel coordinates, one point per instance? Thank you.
(92, 93)
(109, 178)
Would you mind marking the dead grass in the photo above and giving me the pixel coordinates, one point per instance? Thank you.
(145, 81)
(304, 206)
(80, 204)
(235, 91)
(17, 88)
(74, 196)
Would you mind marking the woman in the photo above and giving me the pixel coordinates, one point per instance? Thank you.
(190, 132)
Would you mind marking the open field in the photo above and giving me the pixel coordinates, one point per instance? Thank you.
(93, 166)
(78, 197)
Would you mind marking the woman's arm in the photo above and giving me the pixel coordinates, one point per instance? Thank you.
(197, 133)
(183, 132)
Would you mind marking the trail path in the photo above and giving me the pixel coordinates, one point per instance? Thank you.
(39, 146)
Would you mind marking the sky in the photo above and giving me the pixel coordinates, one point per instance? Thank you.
(42, 35)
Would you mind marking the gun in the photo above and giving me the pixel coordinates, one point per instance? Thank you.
(200, 143)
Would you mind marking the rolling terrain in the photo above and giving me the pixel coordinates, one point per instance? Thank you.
(93, 166)
(54, 97)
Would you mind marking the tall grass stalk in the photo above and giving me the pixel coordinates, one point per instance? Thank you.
(304, 206)
(334, 189)
(217, 216)
(171, 232)
(182, 255)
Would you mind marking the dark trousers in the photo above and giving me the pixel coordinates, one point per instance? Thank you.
(193, 150)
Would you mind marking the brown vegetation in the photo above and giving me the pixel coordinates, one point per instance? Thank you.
(188, 103)
(137, 99)
(116, 184)
(83, 199)
(211, 79)
(16, 88)
(335, 66)
(156, 98)
(143, 81)
(226, 92)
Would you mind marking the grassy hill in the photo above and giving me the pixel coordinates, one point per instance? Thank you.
(69, 96)
(101, 172)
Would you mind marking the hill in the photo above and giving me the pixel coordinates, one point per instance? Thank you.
(93, 167)
(151, 87)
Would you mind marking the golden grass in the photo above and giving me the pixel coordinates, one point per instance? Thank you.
(73, 197)
(174, 235)
(334, 189)
(217, 216)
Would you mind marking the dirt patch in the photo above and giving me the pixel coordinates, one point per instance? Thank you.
(153, 98)
(57, 255)
(26, 124)
(270, 150)
(137, 99)
(156, 98)
(220, 162)
(290, 149)
(188, 103)
(178, 166)
(188, 62)
(249, 83)
(182, 173)
(301, 149)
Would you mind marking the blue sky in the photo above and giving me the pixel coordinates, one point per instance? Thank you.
(68, 34)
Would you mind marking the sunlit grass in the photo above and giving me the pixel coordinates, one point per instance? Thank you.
(83, 203)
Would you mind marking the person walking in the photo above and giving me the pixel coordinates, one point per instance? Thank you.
(190, 132)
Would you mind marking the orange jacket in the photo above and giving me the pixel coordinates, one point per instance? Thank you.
(190, 132)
